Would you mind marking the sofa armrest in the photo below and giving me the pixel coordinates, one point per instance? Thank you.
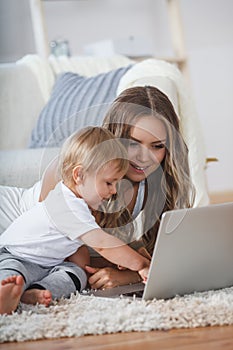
(20, 104)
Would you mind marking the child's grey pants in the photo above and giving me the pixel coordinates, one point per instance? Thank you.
(61, 280)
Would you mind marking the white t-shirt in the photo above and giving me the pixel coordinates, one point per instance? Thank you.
(49, 232)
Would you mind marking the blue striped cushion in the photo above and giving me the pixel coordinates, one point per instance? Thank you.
(75, 102)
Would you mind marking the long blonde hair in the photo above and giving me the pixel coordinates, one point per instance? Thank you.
(170, 186)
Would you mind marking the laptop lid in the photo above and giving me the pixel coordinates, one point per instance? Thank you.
(193, 252)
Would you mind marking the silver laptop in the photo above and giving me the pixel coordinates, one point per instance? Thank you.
(193, 252)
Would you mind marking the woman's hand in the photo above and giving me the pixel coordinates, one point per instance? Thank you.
(109, 277)
(144, 274)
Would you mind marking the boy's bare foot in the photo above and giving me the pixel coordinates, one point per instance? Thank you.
(34, 296)
(10, 292)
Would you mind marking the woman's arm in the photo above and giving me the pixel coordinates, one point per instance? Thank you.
(109, 277)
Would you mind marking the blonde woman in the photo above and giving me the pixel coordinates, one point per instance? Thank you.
(35, 246)
(158, 177)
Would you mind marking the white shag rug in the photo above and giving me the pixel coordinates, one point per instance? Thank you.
(82, 315)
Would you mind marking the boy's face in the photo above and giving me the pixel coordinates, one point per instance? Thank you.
(101, 185)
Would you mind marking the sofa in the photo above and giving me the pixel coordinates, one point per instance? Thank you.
(32, 104)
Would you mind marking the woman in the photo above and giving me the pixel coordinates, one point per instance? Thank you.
(158, 171)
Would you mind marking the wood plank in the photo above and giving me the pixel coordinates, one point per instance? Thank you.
(207, 338)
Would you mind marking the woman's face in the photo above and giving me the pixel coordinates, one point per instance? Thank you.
(146, 147)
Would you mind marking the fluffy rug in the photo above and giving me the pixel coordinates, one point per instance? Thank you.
(81, 315)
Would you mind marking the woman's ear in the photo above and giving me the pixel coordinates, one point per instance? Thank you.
(78, 174)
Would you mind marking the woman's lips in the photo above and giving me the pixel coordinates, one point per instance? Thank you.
(138, 169)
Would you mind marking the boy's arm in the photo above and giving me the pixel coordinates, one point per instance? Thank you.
(115, 250)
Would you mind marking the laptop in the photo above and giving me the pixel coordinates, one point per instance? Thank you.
(193, 253)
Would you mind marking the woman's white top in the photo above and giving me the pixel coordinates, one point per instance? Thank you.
(139, 200)
(49, 232)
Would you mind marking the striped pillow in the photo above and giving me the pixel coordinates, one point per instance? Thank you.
(75, 102)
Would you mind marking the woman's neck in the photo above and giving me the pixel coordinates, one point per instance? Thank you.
(130, 194)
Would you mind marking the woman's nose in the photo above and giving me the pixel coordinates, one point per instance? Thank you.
(143, 154)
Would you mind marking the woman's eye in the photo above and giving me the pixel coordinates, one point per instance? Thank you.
(158, 146)
(109, 183)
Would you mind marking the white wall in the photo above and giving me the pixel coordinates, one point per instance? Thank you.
(208, 32)
(209, 38)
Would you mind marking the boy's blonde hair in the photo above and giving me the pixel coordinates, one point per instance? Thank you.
(92, 148)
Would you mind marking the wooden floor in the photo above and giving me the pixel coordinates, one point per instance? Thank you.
(207, 338)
